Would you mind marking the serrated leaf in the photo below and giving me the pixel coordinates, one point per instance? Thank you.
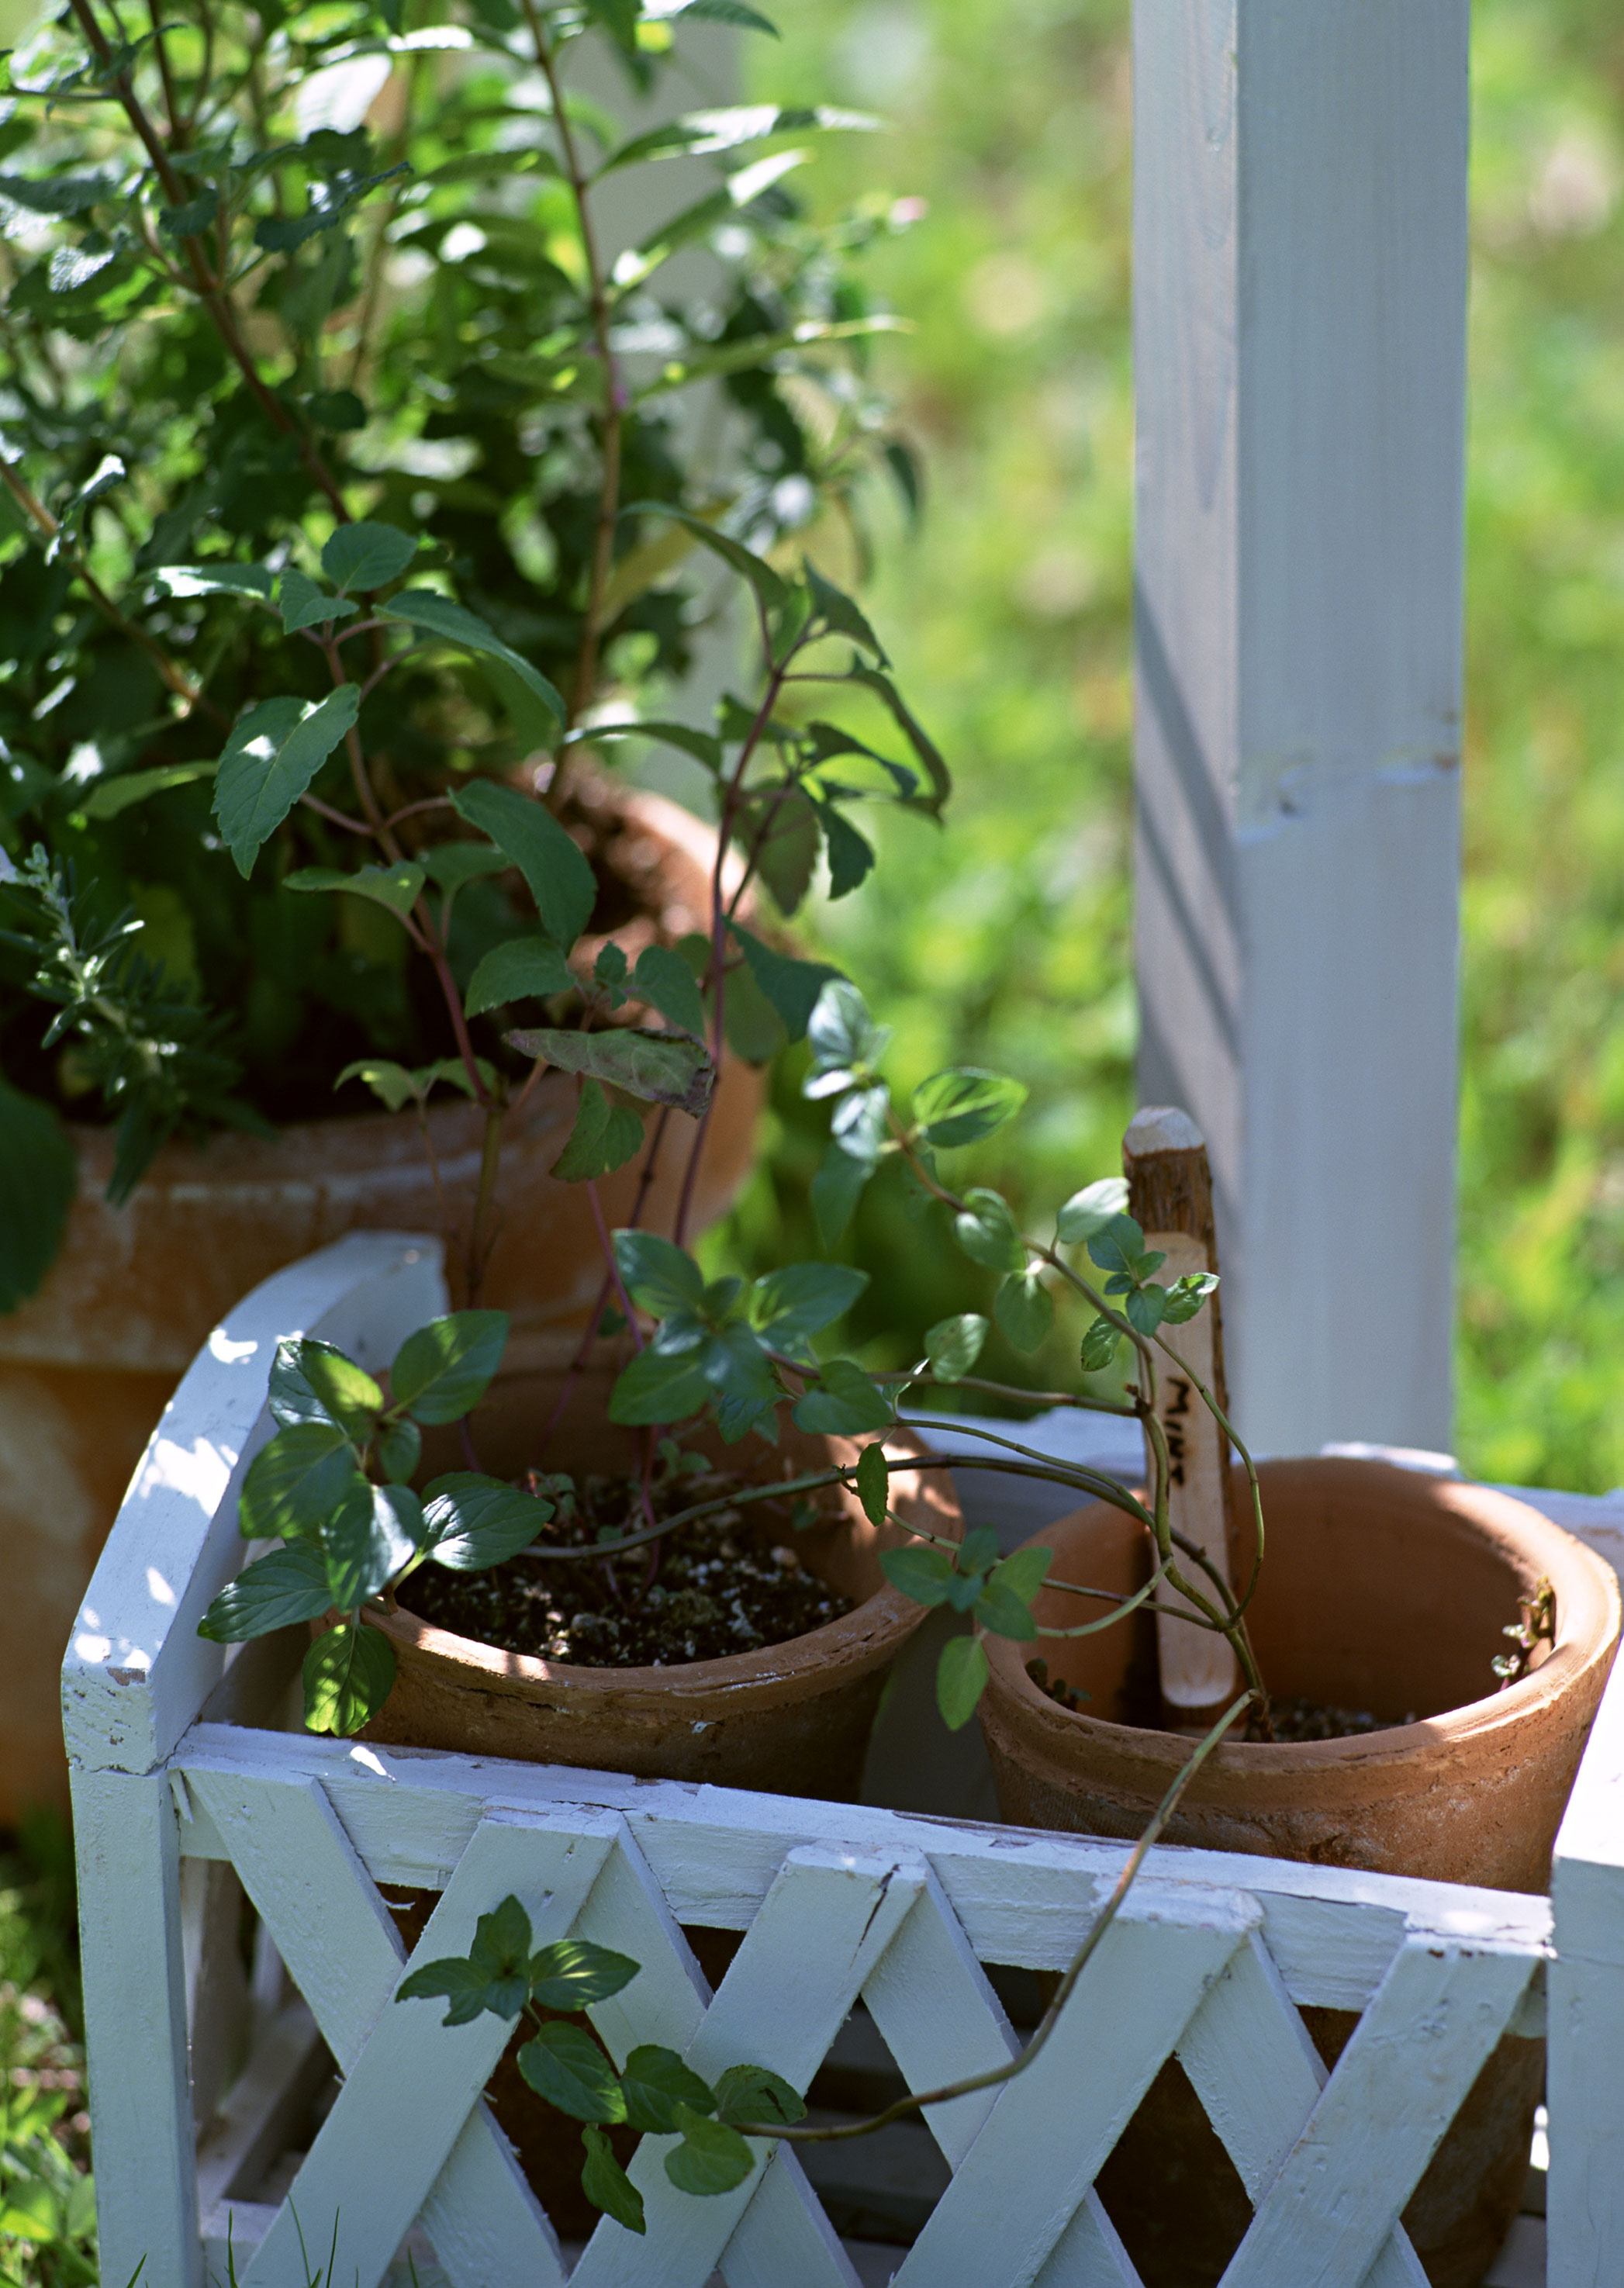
(663, 979)
(655, 2082)
(874, 1484)
(521, 969)
(791, 985)
(605, 2183)
(41, 1177)
(603, 1138)
(271, 756)
(1024, 1309)
(366, 556)
(1091, 1209)
(573, 1973)
(1100, 1345)
(554, 866)
(953, 1345)
(471, 1521)
(313, 1381)
(296, 1482)
(712, 2157)
(303, 605)
(657, 1067)
(987, 1231)
(494, 1975)
(397, 888)
(655, 1389)
(963, 1104)
(564, 2065)
(437, 615)
(757, 2095)
(349, 1673)
(274, 1592)
(460, 1982)
(440, 1372)
(801, 1299)
(842, 1401)
(922, 1573)
(372, 1534)
(960, 1678)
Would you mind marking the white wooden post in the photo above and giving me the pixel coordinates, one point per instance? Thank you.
(1300, 283)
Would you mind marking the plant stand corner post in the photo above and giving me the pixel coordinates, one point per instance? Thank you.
(1585, 2062)
(135, 1676)
(1300, 265)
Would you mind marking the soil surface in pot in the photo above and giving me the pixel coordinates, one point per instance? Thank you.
(1291, 1719)
(718, 1589)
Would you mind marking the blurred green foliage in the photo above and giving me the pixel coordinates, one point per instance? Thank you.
(47, 2203)
(1005, 939)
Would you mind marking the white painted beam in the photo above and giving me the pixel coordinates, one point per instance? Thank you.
(1300, 283)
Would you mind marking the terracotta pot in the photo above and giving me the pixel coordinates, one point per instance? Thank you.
(1382, 1590)
(88, 1364)
(793, 1717)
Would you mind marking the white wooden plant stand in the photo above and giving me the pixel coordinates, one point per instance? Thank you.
(201, 2073)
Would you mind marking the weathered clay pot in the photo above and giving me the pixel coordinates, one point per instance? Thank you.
(794, 1718)
(1382, 1590)
(87, 1364)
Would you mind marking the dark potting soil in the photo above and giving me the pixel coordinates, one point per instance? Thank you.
(715, 1589)
(1293, 1719)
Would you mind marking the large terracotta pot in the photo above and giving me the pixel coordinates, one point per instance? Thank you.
(88, 1364)
(1383, 1590)
(794, 1718)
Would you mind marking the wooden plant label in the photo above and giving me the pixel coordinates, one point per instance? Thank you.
(1170, 1195)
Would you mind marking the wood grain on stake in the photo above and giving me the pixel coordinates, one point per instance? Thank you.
(1170, 1195)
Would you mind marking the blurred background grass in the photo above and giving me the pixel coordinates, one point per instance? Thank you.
(1005, 940)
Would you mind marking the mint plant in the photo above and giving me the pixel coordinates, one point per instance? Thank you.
(347, 500)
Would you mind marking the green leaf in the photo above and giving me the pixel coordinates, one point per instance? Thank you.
(564, 2065)
(842, 1401)
(953, 1345)
(463, 1983)
(663, 979)
(771, 592)
(184, 580)
(776, 827)
(397, 888)
(729, 11)
(801, 1299)
(1186, 1296)
(40, 1176)
(442, 1371)
(836, 1190)
(495, 1975)
(655, 1389)
(656, 1067)
(961, 1676)
(702, 745)
(521, 969)
(964, 1104)
(1100, 1345)
(274, 1592)
(712, 2157)
(757, 2095)
(349, 1674)
(313, 1381)
(605, 2183)
(367, 556)
(573, 1973)
(1143, 1308)
(603, 1138)
(398, 1449)
(1005, 1603)
(850, 854)
(369, 1537)
(450, 864)
(390, 1083)
(655, 2082)
(792, 986)
(705, 134)
(1091, 1209)
(844, 1037)
(656, 1273)
(837, 610)
(873, 1482)
(987, 1231)
(471, 1521)
(1024, 1309)
(924, 747)
(1118, 1246)
(295, 1483)
(920, 1572)
(110, 797)
(336, 411)
(437, 615)
(559, 876)
(271, 756)
(303, 605)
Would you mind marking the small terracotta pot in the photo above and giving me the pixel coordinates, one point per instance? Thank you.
(1382, 1590)
(793, 1717)
(87, 1363)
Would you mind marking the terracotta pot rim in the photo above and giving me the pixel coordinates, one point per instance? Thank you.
(1588, 1629)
